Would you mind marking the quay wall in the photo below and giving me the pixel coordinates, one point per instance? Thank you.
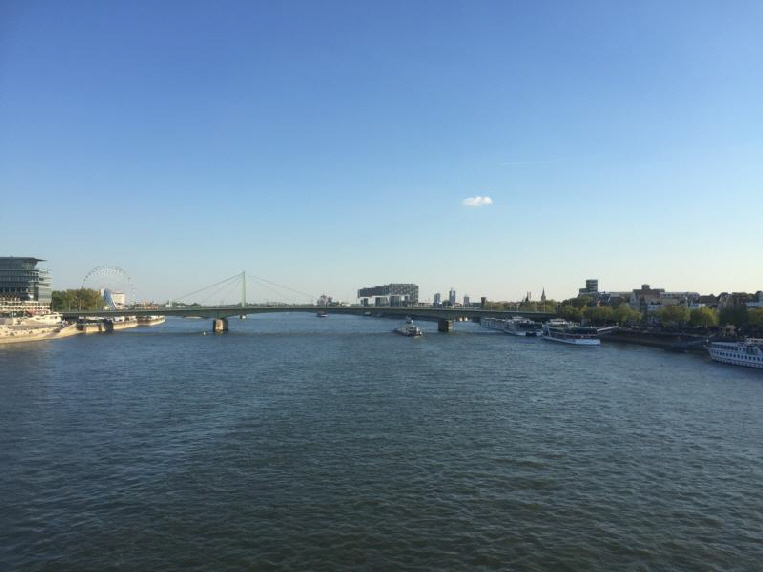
(676, 341)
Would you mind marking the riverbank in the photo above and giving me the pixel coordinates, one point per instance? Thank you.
(673, 341)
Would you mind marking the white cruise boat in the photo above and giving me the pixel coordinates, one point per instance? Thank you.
(522, 327)
(408, 328)
(748, 353)
(32, 328)
(565, 332)
(493, 323)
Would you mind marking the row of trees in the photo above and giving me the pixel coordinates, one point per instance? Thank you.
(77, 299)
(623, 314)
(547, 306)
(738, 316)
(680, 316)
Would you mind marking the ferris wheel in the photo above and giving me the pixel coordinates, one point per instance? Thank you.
(118, 289)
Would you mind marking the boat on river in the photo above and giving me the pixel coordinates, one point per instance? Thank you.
(150, 320)
(408, 328)
(562, 331)
(522, 327)
(747, 353)
(493, 323)
(33, 328)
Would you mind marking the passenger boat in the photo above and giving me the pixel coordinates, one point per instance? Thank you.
(150, 320)
(493, 323)
(408, 328)
(522, 327)
(32, 328)
(565, 332)
(748, 353)
(321, 314)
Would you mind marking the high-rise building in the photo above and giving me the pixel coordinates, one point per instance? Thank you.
(591, 287)
(437, 299)
(389, 295)
(452, 296)
(467, 302)
(23, 286)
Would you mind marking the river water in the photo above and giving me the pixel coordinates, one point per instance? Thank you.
(297, 443)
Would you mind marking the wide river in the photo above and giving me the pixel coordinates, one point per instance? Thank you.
(298, 443)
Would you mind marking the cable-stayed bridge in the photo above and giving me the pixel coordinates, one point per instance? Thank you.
(445, 316)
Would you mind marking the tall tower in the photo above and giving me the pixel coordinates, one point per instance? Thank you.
(437, 299)
(452, 296)
(543, 295)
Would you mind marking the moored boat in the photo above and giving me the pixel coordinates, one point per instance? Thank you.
(33, 328)
(519, 326)
(493, 323)
(558, 330)
(150, 320)
(748, 353)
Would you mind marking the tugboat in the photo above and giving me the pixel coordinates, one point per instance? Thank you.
(408, 328)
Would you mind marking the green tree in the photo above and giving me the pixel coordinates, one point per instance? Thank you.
(703, 318)
(599, 314)
(547, 306)
(733, 316)
(624, 314)
(570, 313)
(678, 315)
(755, 317)
(77, 299)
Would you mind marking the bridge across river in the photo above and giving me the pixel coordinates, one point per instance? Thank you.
(220, 314)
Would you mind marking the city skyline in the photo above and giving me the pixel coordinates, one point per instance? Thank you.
(493, 148)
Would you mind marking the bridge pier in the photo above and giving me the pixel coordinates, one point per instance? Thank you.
(444, 325)
(220, 325)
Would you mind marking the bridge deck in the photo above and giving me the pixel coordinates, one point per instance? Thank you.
(216, 312)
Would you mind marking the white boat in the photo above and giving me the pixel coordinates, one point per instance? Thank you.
(150, 320)
(522, 327)
(408, 328)
(321, 314)
(33, 328)
(748, 353)
(493, 323)
(565, 332)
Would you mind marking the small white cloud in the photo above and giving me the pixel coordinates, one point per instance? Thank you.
(477, 201)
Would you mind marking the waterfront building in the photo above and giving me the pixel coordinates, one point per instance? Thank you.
(437, 300)
(735, 299)
(591, 288)
(389, 295)
(651, 299)
(705, 301)
(23, 286)
(113, 300)
(452, 296)
(757, 302)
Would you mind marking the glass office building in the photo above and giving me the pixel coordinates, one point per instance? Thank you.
(23, 286)
(389, 295)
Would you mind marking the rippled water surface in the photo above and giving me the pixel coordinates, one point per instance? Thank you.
(297, 443)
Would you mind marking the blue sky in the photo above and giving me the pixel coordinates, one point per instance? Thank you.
(330, 145)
